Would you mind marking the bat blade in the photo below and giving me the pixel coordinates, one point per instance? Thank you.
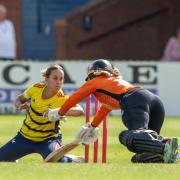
(59, 153)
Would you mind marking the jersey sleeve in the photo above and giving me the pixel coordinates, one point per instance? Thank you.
(28, 92)
(100, 115)
(78, 96)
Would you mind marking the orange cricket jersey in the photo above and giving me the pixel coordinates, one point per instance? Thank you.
(106, 89)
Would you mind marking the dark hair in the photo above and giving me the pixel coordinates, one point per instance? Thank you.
(46, 72)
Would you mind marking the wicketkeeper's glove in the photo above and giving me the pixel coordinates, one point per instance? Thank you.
(82, 131)
(87, 134)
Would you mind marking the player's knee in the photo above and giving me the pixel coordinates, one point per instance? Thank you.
(126, 138)
(123, 137)
(141, 140)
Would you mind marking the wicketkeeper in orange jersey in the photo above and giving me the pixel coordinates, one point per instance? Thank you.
(142, 113)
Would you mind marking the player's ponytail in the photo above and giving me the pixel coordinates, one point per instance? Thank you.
(116, 73)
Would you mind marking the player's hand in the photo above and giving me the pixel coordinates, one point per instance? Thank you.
(80, 134)
(53, 115)
(88, 134)
(91, 135)
(21, 106)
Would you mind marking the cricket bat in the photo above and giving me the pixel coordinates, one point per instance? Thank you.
(59, 153)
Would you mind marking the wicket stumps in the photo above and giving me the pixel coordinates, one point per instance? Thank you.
(104, 134)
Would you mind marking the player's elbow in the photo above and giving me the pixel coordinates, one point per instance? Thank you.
(79, 112)
(75, 111)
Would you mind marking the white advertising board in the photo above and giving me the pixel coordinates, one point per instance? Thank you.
(160, 78)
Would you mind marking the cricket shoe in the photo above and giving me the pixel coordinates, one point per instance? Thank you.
(177, 157)
(76, 159)
(170, 150)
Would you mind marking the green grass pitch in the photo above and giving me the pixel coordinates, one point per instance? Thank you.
(118, 164)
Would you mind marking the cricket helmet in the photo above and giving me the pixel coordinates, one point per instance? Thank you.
(97, 66)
